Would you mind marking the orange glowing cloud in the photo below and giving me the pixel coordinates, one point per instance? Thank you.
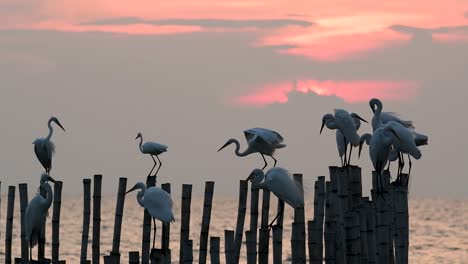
(349, 91)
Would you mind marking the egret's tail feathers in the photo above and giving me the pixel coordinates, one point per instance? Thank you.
(280, 146)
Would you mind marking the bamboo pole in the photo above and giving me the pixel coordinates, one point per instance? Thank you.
(355, 186)
(229, 246)
(23, 193)
(9, 223)
(166, 227)
(298, 228)
(329, 227)
(56, 221)
(315, 227)
(340, 194)
(188, 252)
(214, 250)
(264, 234)
(242, 208)
(86, 219)
(96, 218)
(278, 235)
(353, 242)
(146, 234)
(185, 218)
(251, 245)
(119, 208)
(206, 218)
(254, 195)
(371, 232)
(134, 257)
(401, 221)
(363, 229)
(383, 228)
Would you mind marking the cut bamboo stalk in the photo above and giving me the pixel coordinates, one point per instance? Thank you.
(363, 229)
(278, 244)
(242, 208)
(401, 221)
(188, 252)
(315, 227)
(166, 227)
(229, 246)
(146, 235)
(23, 193)
(86, 219)
(264, 234)
(9, 223)
(56, 221)
(96, 218)
(119, 208)
(251, 245)
(371, 232)
(214, 250)
(329, 227)
(298, 233)
(383, 228)
(254, 195)
(340, 194)
(185, 218)
(353, 242)
(206, 218)
(134, 257)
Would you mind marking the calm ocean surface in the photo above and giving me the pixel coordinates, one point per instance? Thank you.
(438, 228)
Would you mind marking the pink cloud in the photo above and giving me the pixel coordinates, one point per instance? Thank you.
(349, 91)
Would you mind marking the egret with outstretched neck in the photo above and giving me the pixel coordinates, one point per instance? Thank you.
(45, 148)
(36, 213)
(280, 182)
(153, 149)
(259, 140)
(156, 202)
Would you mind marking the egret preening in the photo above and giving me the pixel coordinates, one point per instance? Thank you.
(45, 148)
(340, 140)
(345, 123)
(261, 140)
(152, 149)
(381, 118)
(365, 138)
(157, 202)
(36, 213)
(278, 181)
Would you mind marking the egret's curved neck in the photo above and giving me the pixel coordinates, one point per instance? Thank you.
(330, 123)
(259, 182)
(141, 143)
(51, 130)
(241, 154)
(378, 111)
(140, 196)
(357, 123)
(48, 200)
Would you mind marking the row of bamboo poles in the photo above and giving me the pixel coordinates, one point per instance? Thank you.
(346, 227)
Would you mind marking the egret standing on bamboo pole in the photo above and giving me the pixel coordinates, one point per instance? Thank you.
(152, 149)
(345, 123)
(381, 118)
(45, 148)
(259, 140)
(157, 202)
(340, 140)
(36, 213)
(280, 182)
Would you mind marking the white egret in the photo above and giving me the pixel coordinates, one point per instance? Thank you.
(280, 182)
(382, 118)
(36, 213)
(157, 202)
(340, 140)
(45, 148)
(345, 123)
(259, 140)
(152, 149)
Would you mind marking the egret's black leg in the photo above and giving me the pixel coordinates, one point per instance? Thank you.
(154, 232)
(274, 165)
(342, 163)
(278, 217)
(410, 164)
(345, 151)
(30, 254)
(264, 161)
(350, 152)
(153, 165)
(402, 162)
(160, 164)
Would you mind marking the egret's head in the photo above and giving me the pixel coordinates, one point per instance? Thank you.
(364, 138)
(256, 176)
(356, 116)
(45, 178)
(56, 121)
(139, 135)
(325, 118)
(229, 142)
(374, 104)
(138, 185)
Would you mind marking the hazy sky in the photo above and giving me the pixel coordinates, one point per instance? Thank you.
(192, 74)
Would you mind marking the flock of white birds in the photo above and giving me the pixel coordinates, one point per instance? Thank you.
(392, 138)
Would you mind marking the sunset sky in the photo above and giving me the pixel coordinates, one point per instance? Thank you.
(192, 74)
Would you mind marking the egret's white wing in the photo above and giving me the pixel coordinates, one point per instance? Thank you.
(386, 117)
(405, 141)
(269, 135)
(44, 151)
(280, 182)
(340, 143)
(153, 148)
(159, 204)
(345, 123)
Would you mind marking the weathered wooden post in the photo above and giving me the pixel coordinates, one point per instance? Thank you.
(278, 235)
(340, 201)
(146, 235)
(401, 220)
(252, 250)
(363, 229)
(371, 232)
(264, 234)
(214, 250)
(188, 252)
(185, 218)
(97, 218)
(134, 257)
(9, 224)
(330, 225)
(243, 189)
(166, 227)
(229, 246)
(383, 226)
(251, 245)
(119, 208)
(23, 193)
(315, 227)
(56, 221)
(298, 229)
(206, 218)
(86, 219)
